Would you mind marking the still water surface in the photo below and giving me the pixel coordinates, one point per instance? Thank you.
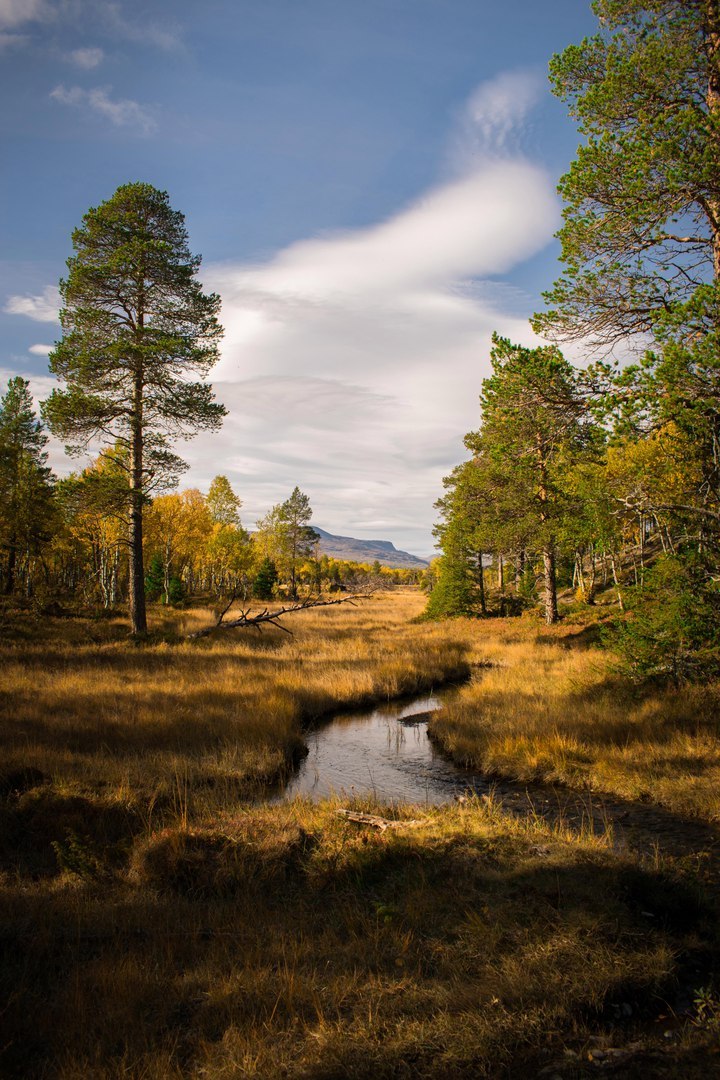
(383, 752)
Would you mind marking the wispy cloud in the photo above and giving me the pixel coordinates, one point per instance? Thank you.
(87, 58)
(41, 350)
(114, 21)
(107, 17)
(12, 41)
(492, 122)
(42, 308)
(14, 13)
(120, 113)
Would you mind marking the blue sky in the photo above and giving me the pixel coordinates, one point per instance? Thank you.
(371, 187)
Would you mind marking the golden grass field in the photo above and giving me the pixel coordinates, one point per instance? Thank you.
(157, 921)
(166, 720)
(549, 708)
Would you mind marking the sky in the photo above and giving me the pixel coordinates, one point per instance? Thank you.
(372, 188)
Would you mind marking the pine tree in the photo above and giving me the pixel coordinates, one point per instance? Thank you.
(136, 328)
(642, 217)
(513, 495)
(265, 580)
(25, 479)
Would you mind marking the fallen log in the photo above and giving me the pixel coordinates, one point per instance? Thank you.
(270, 617)
(377, 822)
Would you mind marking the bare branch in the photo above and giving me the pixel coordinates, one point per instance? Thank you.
(271, 617)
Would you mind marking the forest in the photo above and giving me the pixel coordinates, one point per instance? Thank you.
(210, 865)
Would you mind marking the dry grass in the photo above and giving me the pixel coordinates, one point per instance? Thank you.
(155, 925)
(549, 708)
(180, 726)
(288, 942)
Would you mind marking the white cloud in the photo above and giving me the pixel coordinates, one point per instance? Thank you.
(17, 12)
(352, 362)
(87, 58)
(123, 113)
(41, 350)
(109, 15)
(495, 114)
(42, 308)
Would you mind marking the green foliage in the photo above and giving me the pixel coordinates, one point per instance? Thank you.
(76, 856)
(26, 495)
(155, 578)
(176, 591)
(454, 592)
(707, 1009)
(265, 580)
(641, 222)
(515, 494)
(527, 585)
(672, 630)
(134, 315)
(286, 536)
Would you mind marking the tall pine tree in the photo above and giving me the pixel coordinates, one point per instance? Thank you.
(136, 329)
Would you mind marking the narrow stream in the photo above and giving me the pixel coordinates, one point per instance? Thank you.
(384, 752)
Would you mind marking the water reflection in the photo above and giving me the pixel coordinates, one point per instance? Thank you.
(384, 752)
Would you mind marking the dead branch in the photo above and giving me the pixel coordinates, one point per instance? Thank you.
(223, 613)
(375, 822)
(270, 617)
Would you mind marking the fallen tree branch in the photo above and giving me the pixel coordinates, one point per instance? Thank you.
(375, 821)
(270, 617)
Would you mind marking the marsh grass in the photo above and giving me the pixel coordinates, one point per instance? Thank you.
(175, 727)
(548, 705)
(156, 923)
(287, 942)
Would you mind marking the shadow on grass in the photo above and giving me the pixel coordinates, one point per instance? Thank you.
(476, 954)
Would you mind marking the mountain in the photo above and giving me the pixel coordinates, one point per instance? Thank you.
(367, 551)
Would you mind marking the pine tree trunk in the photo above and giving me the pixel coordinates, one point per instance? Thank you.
(138, 617)
(712, 17)
(481, 584)
(551, 607)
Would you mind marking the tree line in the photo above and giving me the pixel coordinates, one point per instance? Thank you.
(71, 537)
(612, 472)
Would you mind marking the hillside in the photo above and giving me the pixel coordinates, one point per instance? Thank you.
(367, 551)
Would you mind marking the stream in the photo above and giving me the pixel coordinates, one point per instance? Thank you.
(385, 752)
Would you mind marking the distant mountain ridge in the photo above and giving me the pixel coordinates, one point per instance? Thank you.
(367, 551)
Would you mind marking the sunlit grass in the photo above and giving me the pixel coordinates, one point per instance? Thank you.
(159, 923)
(93, 711)
(551, 709)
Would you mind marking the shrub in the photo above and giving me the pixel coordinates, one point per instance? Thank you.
(265, 580)
(672, 629)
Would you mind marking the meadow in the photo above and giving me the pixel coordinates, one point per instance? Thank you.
(550, 706)
(158, 920)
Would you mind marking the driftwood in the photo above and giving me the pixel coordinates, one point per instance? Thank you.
(376, 822)
(269, 617)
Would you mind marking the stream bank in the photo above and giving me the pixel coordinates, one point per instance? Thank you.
(385, 753)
